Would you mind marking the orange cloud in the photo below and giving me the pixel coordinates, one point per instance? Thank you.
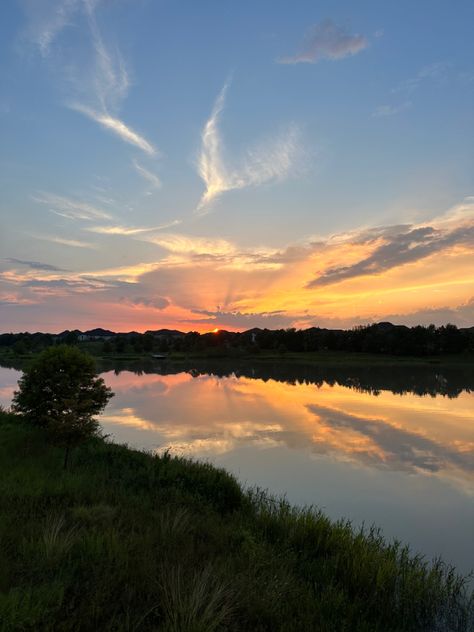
(423, 271)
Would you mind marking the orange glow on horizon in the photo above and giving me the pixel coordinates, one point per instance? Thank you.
(297, 287)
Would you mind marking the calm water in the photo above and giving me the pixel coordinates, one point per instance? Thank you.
(394, 447)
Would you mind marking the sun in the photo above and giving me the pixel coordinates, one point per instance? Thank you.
(216, 330)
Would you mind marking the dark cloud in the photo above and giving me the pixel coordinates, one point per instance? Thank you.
(157, 302)
(462, 316)
(4, 301)
(269, 320)
(73, 284)
(399, 248)
(34, 265)
(327, 40)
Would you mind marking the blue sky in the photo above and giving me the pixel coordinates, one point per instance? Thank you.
(202, 163)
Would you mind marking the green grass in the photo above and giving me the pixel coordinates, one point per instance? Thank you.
(127, 541)
(323, 358)
(329, 358)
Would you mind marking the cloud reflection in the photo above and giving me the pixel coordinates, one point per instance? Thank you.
(207, 415)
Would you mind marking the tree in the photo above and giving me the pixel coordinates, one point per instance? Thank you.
(120, 344)
(107, 347)
(61, 392)
(148, 342)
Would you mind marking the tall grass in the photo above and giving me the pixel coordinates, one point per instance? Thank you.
(195, 600)
(56, 540)
(127, 541)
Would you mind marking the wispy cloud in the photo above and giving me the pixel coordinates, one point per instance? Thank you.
(46, 21)
(111, 77)
(270, 160)
(436, 72)
(327, 40)
(150, 177)
(110, 86)
(432, 72)
(190, 251)
(116, 126)
(391, 110)
(15, 300)
(34, 265)
(190, 245)
(130, 230)
(100, 90)
(73, 243)
(71, 208)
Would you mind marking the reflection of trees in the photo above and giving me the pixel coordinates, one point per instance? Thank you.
(449, 381)
(18, 365)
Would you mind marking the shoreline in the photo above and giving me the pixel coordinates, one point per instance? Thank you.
(322, 358)
(129, 520)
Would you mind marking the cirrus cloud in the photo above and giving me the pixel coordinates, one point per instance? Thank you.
(98, 90)
(267, 161)
(327, 40)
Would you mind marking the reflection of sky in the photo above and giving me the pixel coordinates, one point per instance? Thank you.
(209, 415)
(403, 462)
(8, 384)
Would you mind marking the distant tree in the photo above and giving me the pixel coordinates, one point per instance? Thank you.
(61, 393)
(20, 347)
(120, 344)
(148, 342)
(107, 347)
(164, 345)
(71, 338)
(137, 344)
(452, 340)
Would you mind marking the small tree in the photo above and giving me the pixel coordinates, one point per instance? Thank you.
(61, 392)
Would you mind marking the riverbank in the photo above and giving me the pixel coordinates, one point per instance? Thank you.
(125, 540)
(315, 358)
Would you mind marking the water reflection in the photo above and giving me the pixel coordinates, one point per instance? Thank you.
(360, 442)
(421, 380)
(204, 414)
(431, 379)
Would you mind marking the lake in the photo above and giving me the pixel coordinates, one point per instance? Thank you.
(391, 446)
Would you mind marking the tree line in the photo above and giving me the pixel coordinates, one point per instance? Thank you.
(378, 338)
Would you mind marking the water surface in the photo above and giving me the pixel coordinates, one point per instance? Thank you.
(392, 446)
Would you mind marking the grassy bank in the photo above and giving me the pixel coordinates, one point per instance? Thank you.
(128, 541)
(316, 358)
(331, 358)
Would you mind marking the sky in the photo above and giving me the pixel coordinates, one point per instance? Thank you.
(200, 164)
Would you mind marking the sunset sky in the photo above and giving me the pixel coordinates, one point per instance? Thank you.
(201, 164)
